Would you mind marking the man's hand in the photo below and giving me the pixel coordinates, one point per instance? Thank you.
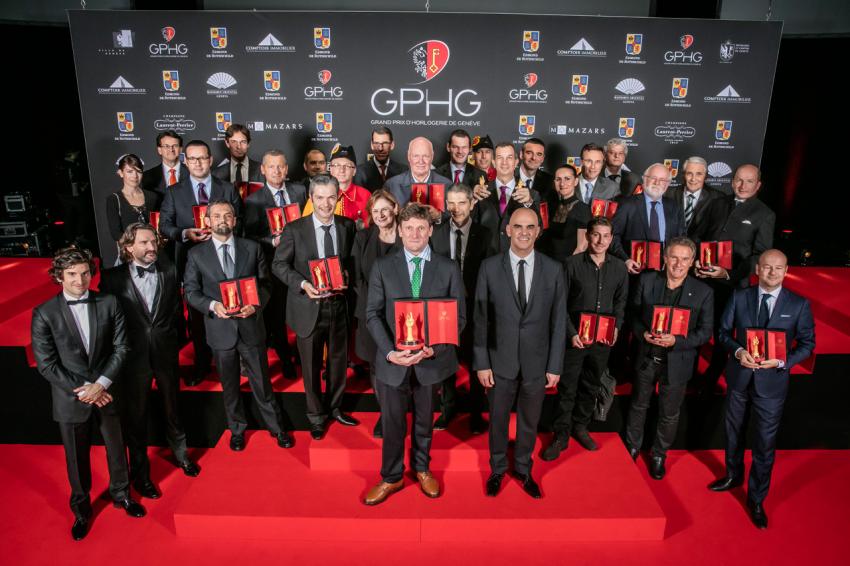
(406, 358)
(197, 235)
(614, 339)
(485, 376)
(552, 379)
(577, 343)
(104, 399)
(480, 192)
(522, 195)
(768, 364)
(312, 292)
(246, 311)
(427, 352)
(89, 393)
(746, 359)
(276, 241)
(220, 311)
(632, 266)
(711, 271)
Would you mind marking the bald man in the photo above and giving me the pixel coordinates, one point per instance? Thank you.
(420, 156)
(762, 384)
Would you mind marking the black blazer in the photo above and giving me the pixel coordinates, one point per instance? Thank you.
(749, 226)
(697, 297)
(509, 341)
(292, 266)
(471, 174)
(365, 252)
(204, 273)
(151, 335)
(543, 182)
(628, 181)
(479, 246)
(486, 213)
(368, 175)
(630, 223)
(706, 195)
(61, 357)
(154, 179)
(390, 281)
(257, 223)
(222, 171)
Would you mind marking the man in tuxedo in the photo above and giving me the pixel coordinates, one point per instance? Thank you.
(694, 196)
(238, 168)
(596, 283)
(420, 156)
(148, 291)
(647, 216)
(80, 345)
(532, 156)
(169, 171)
(616, 151)
(314, 164)
(403, 376)
(663, 357)
(593, 184)
(520, 336)
(177, 223)
(468, 244)
(276, 194)
(458, 169)
(319, 319)
(373, 173)
(761, 384)
(234, 336)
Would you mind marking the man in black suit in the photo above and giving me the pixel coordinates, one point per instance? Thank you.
(318, 319)
(458, 169)
(763, 385)
(234, 336)
(148, 291)
(616, 151)
(520, 336)
(694, 196)
(663, 357)
(373, 173)
(276, 193)
(79, 343)
(238, 167)
(468, 244)
(647, 216)
(405, 377)
(532, 158)
(314, 164)
(169, 171)
(177, 223)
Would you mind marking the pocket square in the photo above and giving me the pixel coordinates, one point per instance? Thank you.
(784, 316)
(745, 222)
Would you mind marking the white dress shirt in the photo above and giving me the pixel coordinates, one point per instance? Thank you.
(80, 312)
(529, 270)
(145, 285)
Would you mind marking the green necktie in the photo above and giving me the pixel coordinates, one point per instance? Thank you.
(416, 280)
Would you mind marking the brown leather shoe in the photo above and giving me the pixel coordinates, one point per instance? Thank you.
(429, 484)
(380, 492)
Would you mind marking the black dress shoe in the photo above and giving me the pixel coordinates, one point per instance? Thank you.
(529, 485)
(80, 528)
(284, 440)
(378, 431)
(132, 508)
(558, 445)
(477, 424)
(494, 482)
(346, 420)
(190, 468)
(656, 468)
(317, 431)
(442, 422)
(757, 514)
(237, 442)
(725, 483)
(583, 438)
(633, 453)
(147, 489)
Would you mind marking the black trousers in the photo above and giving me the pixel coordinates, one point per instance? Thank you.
(394, 403)
(529, 395)
(274, 317)
(768, 412)
(257, 363)
(77, 440)
(198, 334)
(719, 355)
(670, 397)
(331, 330)
(134, 405)
(579, 386)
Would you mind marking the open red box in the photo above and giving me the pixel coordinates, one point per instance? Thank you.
(596, 328)
(601, 207)
(765, 344)
(421, 322)
(716, 253)
(646, 254)
(670, 320)
(327, 274)
(237, 293)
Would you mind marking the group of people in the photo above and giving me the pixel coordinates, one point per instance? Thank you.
(544, 285)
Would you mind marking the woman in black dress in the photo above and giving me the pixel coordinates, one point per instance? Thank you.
(131, 204)
(568, 217)
(376, 241)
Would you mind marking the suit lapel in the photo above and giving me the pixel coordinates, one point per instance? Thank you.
(310, 238)
(535, 281)
(134, 292)
(753, 298)
(401, 267)
(212, 256)
(644, 220)
(71, 324)
(241, 257)
(506, 265)
(658, 289)
(160, 285)
(780, 303)
(93, 342)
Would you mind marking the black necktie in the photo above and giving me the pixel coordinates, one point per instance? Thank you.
(80, 301)
(520, 285)
(140, 271)
(654, 224)
(764, 311)
(329, 241)
(238, 177)
(226, 261)
(615, 178)
(459, 247)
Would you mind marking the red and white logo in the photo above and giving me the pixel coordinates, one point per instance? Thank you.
(686, 41)
(429, 59)
(530, 79)
(168, 33)
(324, 76)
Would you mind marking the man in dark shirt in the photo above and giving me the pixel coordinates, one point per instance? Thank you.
(595, 283)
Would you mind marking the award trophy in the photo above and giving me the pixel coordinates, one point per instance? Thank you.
(411, 340)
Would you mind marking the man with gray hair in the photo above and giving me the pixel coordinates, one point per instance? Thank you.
(616, 150)
(694, 196)
(420, 156)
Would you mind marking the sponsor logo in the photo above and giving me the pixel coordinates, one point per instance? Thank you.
(168, 33)
(626, 128)
(271, 81)
(674, 132)
(530, 41)
(222, 84)
(528, 94)
(582, 48)
(575, 161)
(719, 173)
(728, 50)
(729, 95)
(680, 87)
(171, 81)
(223, 121)
(530, 79)
(686, 41)
(126, 127)
(580, 85)
(526, 124)
(261, 126)
(218, 38)
(121, 86)
(325, 76)
(683, 55)
(568, 129)
(634, 43)
(324, 122)
(323, 91)
(672, 165)
(322, 38)
(723, 130)
(429, 59)
(270, 44)
(167, 48)
(629, 90)
(177, 122)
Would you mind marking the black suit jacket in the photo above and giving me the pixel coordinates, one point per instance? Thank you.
(631, 223)
(154, 179)
(292, 266)
(749, 226)
(368, 175)
(61, 356)
(222, 171)
(471, 174)
(543, 182)
(151, 335)
(479, 246)
(204, 273)
(706, 195)
(257, 223)
(628, 181)
(697, 297)
(390, 281)
(510, 341)
(486, 213)
(176, 213)
(364, 253)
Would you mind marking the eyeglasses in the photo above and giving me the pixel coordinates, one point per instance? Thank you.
(194, 159)
(658, 180)
(342, 166)
(172, 146)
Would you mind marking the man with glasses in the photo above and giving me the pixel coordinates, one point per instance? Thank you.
(592, 184)
(373, 173)
(238, 167)
(616, 151)
(169, 171)
(352, 197)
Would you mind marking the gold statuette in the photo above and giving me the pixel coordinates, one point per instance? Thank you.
(754, 347)
(659, 323)
(320, 281)
(585, 331)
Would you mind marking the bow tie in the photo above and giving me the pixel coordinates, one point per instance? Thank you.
(140, 271)
(80, 301)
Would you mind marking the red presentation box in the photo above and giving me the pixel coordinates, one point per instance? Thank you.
(638, 190)
(766, 344)
(199, 213)
(425, 322)
(647, 254)
(601, 207)
(596, 328)
(716, 253)
(248, 188)
(327, 274)
(437, 196)
(670, 320)
(544, 215)
(237, 293)
(419, 193)
(279, 217)
(153, 220)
